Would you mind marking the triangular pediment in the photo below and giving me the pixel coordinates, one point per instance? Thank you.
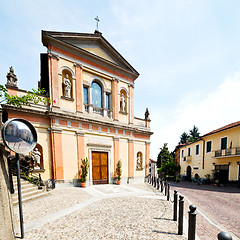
(94, 45)
(96, 50)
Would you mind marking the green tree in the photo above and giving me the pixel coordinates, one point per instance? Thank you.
(191, 137)
(184, 137)
(194, 134)
(165, 162)
(170, 168)
(163, 156)
(35, 97)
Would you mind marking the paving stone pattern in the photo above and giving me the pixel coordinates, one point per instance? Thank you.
(133, 211)
(219, 204)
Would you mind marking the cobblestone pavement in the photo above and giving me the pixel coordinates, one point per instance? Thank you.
(133, 211)
(220, 204)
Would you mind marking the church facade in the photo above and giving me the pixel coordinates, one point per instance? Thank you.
(91, 115)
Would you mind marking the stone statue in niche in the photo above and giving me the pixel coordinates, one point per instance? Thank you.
(36, 155)
(11, 78)
(139, 162)
(122, 103)
(67, 86)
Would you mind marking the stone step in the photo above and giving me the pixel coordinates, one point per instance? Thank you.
(26, 189)
(29, 191)
(26, 194)
(31, 198)
(24, 184)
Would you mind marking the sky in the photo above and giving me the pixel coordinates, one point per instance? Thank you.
(187, 53)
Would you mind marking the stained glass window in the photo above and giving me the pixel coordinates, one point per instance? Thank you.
(96, 95)
(85, 95)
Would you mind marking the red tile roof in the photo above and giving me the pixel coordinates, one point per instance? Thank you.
(152, 160)
(231, 125)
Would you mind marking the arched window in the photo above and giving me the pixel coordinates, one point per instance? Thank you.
(97, 95)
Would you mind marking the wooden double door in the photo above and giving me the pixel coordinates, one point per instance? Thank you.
(100, 167)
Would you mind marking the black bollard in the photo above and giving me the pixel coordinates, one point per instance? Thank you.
(192, 222)
(152, 180)
(168, 192)
(180, 215)
(175, 197)
(155, 183)
(165, 185)
(224, 236)
(161, 185)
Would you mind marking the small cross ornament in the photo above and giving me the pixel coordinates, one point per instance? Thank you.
(97, 20)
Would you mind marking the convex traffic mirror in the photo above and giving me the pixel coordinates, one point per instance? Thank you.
(19, 135)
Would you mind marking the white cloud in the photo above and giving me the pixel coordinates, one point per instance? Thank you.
(216, 109)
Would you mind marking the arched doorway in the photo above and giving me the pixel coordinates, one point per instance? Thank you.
(189, 173)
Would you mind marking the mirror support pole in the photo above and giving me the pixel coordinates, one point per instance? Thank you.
(19, 196)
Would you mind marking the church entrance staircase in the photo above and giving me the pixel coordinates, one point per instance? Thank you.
(29, 191)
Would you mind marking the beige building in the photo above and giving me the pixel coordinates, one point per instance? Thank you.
(217, 151)
(92, 111)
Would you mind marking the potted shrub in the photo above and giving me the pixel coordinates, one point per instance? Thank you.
(119, 172)
(84, 167)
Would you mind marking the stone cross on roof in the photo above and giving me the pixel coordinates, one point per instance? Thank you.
(97, 20)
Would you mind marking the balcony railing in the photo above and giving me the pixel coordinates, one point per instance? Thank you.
(109, 113)
(237, 151)
(86, 107)
(98, 110)
(218, 153)
(230, 152)
(187, 158)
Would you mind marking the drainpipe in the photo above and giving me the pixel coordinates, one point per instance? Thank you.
(203, 154)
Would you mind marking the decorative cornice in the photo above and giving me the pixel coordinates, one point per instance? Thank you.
(55, 130)
(75, 64)
(99, 145)
(53, 55)
(80, 133)
(130, 140)
(115, 79)
(11, 86)
(116, 138)
(147, 143)
(131, 85)
(67, 98)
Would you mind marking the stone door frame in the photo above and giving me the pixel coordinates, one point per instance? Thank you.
(98, 148)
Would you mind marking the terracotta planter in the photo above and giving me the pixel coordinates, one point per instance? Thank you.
(83, 184)
(118, 182)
